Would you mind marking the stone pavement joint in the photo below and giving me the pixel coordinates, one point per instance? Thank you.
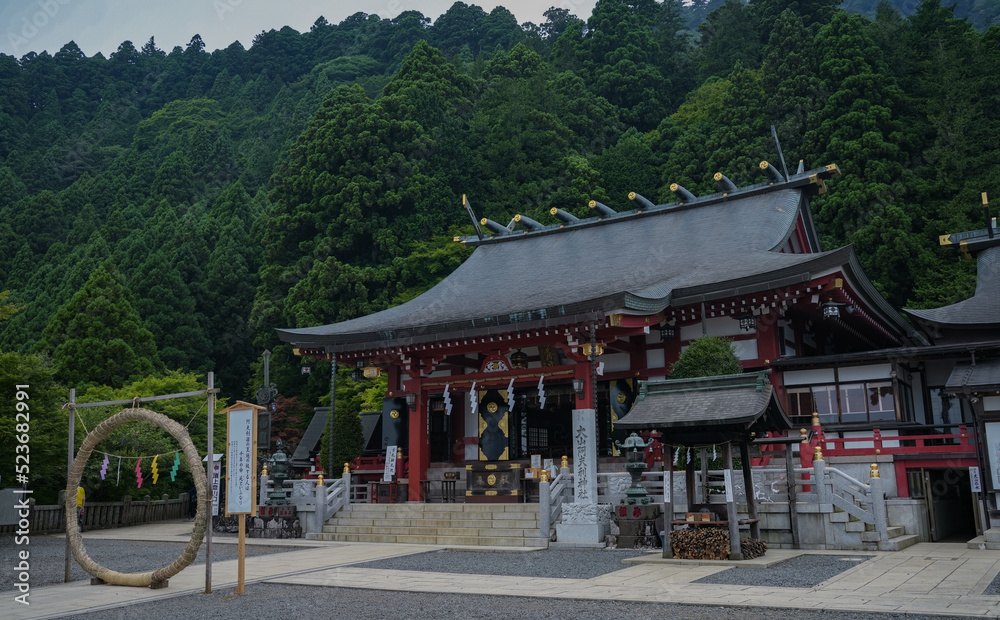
(944, 578)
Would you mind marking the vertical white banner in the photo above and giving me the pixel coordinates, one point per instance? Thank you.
(993, 451)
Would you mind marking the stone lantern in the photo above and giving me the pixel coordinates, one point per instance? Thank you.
(278, 468)
(634, 448)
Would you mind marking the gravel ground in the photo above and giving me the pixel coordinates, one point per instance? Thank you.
(994, 588)
(48, 557)
(283, 601)
(564, 563)
(804, 571)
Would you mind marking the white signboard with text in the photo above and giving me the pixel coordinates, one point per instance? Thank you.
(390, 464)
(241, 461)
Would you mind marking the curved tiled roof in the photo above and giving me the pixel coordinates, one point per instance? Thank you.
(980, 310)
(709, 409)
(627, 262)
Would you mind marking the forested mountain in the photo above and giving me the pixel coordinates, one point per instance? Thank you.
(164, 211)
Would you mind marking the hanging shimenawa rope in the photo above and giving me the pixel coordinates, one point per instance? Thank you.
(148, 457)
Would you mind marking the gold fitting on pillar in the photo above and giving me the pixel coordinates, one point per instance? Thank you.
(804, 435)
(543, 476)
(399, 453)
(319, 482)
(347, 468)
(817, 454)
(875, 473)
(264, 471)
(565, 462)
(815, 420)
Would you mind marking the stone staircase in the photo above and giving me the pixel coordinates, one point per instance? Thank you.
(898, 538)
(826, 527)
(493, 525)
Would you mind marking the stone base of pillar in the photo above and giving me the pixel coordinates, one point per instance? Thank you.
(581, 534)
(583, 524)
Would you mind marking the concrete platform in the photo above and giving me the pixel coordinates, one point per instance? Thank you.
(927, 578)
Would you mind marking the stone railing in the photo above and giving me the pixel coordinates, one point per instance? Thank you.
(315, 504)
(831, 487)
(551, 496)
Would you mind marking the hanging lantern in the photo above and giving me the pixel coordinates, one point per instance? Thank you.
(519, 359)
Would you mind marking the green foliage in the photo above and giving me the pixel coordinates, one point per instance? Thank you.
(126, 444)
(98, 337)
(39, 421)
(353, 397)
(317, 176)
(708, 356)
(7, 308)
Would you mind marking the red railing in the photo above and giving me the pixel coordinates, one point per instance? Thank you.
(960, 443)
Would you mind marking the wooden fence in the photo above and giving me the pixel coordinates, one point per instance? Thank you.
(105, 515)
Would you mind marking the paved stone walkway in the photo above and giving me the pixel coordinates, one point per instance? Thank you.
(946, 579)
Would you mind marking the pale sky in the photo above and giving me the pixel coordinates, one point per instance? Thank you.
(101, 25)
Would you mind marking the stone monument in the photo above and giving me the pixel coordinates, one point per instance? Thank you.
(584, 521)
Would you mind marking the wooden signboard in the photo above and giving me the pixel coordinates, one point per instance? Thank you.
(241, 459)
(241, 472)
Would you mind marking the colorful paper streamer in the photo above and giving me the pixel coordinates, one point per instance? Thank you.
(177, 463)
(156, 472)
(138, 474)
(104, 466)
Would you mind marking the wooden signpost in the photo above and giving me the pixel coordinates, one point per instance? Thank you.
(241, 472)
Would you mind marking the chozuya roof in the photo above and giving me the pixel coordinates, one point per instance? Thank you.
(707, 410)
(634, 262)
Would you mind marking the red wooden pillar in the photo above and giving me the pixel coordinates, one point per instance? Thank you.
(768, 347)
(419, 452)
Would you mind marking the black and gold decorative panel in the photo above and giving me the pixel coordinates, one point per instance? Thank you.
(394, 416)
(494, 421)
(496, 481)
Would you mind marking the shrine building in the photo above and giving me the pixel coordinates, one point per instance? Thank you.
(577, 312)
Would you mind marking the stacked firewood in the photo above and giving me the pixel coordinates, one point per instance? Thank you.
(711, 543)
(753, 548)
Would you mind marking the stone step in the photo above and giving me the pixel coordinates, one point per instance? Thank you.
(899, 543)
(981, 543)
(894, 532)
(460, 507)
(992, 535)
(855, 526)
(429, 531)
(453, 524)
(435, 522)
(489, 541)
(840, 517)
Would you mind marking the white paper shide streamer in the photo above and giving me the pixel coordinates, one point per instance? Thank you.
(473, 404)
(510, 395)
(541, 391)
(447, 400)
